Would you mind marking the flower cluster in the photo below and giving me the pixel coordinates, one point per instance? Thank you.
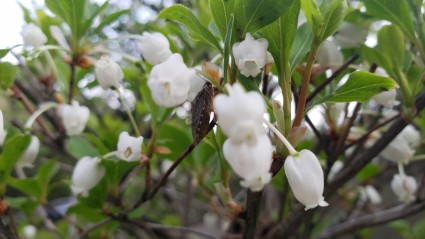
(248, 149)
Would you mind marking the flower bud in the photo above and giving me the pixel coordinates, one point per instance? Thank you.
(350, 35)
(129, 148)
(155, 47)
(33, 36)
(30, 154)
(169, 81)
(2, 131)
(305, 176)
(386, 98)
(250, 55)
(370, 193)
(108, 73)
(329, 54)
(74, 117)
(404, 187)
(29, 232)
(59, 37)
(87, 173)
(240, 114)
(250, 162)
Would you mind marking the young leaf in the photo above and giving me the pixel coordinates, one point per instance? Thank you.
(13, 149)
(281, 33)
(333, 15)
(228, 47)
(72, 12)
(373, 55)
(301, 46)
(391, 44)
(221, 12)
(313, 15)
(360, 86)
(3, 52)
(185, 16)
(396, 12)
(7, 74)
(251, 16)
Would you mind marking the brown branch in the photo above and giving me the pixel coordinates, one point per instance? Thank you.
(373, 219)
(252, 212)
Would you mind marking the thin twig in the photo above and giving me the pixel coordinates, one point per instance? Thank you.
(94, 227)
(373, 219)
(336, 73)
(72, 66)
(252, 212)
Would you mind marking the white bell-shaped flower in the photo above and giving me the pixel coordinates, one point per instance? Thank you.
(250, 162)
(33, 36)
(169, 81)
(386, 98)
(86, 175)
(240, 114)
(404, 187)
(398, 151)
(129, 148)
(370, 193)
(155, 47)
(329, 54)
(2, 131)
(108, 73)
(350, 35)
(57, 34)
(411, 135)
(305, 176)
(196, 84)
(30, 154)
(74, 117)
(250, 55)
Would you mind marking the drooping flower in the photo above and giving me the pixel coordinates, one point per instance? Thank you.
(370, 193)
(250, 162)
(33, 36)
(74, 117)
(402, 147)
(169, 81)
(404, 187)
(30, 154)
(155, 47)
(250, 55)
(386, 98)
(129, 148)
(196, 84)
(240, 114)
(57, 34)
(411, 135)
(86, 175)
(305, 176)
(329, 54)
(350, 35)
(108, 73)
(2, 131)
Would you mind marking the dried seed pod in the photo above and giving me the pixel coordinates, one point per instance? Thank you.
(201, 108)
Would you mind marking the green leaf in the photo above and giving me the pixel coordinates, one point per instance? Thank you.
(372, 55)
(80, 147)
(333, 13)
(418, 229)
(3, 52)
(281, 34)
(391, 44)
(301, 46)
(313, 15)
(368, 172)
(360, 86)
(92, 14)
(13, 149)
(251, 16)
(221, 11)
(185, 16)
(47, 171)
(72, 12)
(227, 46)
(7, 74)
(396, 12)
(29, 186)
(109, 19)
